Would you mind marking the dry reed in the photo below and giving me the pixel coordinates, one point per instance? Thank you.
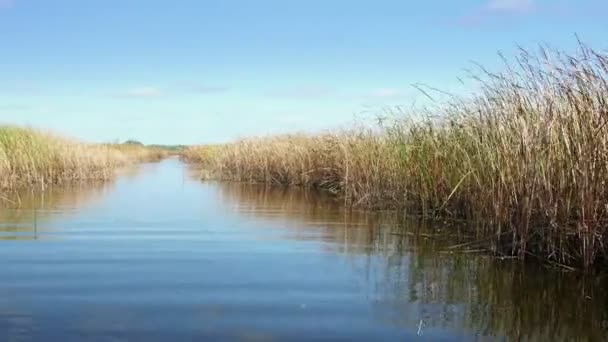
(527, 157)
(32, 158)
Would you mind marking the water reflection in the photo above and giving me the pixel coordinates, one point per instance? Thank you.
(23, 215)
(159, 256)
(412, 280)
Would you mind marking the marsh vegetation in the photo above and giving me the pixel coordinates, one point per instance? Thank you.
(524, 160)
(258, 260)
(34, 158)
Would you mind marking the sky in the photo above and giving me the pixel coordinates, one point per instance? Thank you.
(208, 71)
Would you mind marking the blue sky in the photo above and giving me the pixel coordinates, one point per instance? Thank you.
(199, 71)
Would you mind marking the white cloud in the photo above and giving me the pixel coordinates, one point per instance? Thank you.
(13, 107)
(142, 92)
(304, 92)
(510, 6)
(172, 89)
(388, 93)
(6, 3)
(494, 8)
(199, 88)
(319, 92)
(21, 87)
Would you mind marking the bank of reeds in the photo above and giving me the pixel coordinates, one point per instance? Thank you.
(140, 153)
(29, 158)
(526, 157)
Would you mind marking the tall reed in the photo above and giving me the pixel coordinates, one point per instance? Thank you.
(140, 153)
(33, 158)
(527, 157)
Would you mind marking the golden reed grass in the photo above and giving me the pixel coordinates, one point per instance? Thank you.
(526, 157)
(32, 158)
(140, 153)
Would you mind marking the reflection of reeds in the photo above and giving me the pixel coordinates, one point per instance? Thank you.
(528, 155)
(493, 298)
(410, 273)
(26, 211)
(523, 303)
(303, 212)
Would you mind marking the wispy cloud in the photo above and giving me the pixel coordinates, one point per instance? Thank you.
(141, 92)
(182, 88)
(13, 107)
(314, 92)
(321, 93)
(21, 87)
(6, 3)
(199, 88)
(510, 6)
(388, 93)
(494, 8)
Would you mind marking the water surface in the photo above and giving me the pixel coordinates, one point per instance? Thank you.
(159, 256)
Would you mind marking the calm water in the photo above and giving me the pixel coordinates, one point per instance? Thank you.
(160, 256)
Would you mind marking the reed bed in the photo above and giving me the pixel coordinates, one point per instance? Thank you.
(525, 158)
(32, 158)
(202, 155)
(140, 153)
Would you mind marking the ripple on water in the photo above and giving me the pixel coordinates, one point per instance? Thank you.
(158, 255)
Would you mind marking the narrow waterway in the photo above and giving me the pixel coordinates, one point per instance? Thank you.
(159, 256)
